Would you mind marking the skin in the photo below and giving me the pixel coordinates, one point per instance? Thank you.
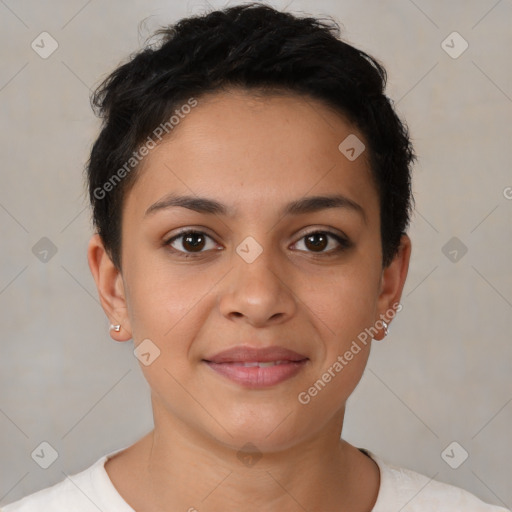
(255, 155)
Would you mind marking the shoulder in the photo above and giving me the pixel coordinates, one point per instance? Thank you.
(76, 492)
(409, 491)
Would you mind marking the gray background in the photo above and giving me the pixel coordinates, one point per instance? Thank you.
(444, 372)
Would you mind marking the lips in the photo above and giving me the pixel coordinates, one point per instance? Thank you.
(257, 368)
(245, 354)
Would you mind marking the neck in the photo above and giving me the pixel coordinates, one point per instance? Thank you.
(179, 468)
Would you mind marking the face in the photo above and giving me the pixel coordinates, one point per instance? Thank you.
(309, 280)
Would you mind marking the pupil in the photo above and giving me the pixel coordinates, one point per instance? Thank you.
(318, 245)
(189, 240)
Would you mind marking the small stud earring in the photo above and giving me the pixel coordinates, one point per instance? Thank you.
(115, 328)
(386, 331)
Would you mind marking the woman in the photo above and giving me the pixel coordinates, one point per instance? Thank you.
(251, 193)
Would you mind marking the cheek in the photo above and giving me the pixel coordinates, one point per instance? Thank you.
(333, 385)
(340, 307)
(168, 304)
(340, 317)
(154, 299)
(160, 305)
(344, 303)
(165, 309)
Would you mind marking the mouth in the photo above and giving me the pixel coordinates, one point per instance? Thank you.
(257, 367)
(260, 364)
(258, 374)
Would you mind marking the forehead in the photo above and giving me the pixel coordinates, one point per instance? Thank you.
(252, 150)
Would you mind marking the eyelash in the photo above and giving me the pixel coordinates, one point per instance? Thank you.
(344, 243)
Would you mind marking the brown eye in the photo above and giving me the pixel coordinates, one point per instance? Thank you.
(189, 242)
(318, 241)
(193, 242)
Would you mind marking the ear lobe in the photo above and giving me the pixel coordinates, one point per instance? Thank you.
(109, 283)
(393, 280)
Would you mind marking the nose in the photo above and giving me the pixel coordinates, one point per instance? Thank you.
(257, 292)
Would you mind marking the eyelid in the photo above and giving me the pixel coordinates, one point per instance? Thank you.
(185, 231)
(322, 229)
(344, 243)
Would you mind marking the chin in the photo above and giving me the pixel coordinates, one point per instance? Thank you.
(267, 434)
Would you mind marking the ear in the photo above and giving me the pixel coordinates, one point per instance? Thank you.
(109, 282)
(393, 280)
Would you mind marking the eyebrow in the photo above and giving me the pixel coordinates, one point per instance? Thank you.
(304, 205)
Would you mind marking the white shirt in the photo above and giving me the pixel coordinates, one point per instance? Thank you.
(400, 490)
